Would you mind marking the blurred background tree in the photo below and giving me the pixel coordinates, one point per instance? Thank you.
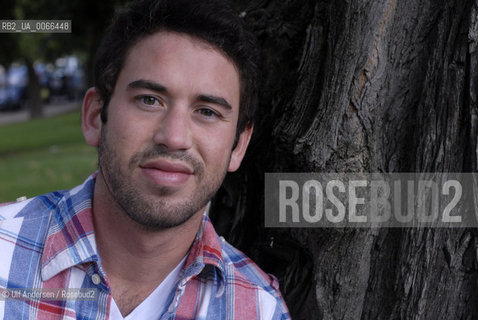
(89, 18)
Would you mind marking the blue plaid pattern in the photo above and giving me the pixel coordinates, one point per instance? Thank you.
(48, 242)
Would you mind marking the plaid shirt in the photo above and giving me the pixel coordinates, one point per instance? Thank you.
(48, 242)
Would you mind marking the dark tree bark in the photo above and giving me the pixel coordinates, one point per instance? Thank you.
(361, 86)
(33, 97)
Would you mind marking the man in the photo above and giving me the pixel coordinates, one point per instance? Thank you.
(171, 113)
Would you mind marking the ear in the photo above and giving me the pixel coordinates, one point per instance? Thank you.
(240, 149)
(91, 117)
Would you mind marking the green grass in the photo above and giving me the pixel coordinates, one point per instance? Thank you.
(43, 155)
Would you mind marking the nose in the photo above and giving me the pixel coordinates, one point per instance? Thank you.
(174, 130)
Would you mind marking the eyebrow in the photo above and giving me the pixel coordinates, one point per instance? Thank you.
(216, 100)
(146, 84)
(154, 86)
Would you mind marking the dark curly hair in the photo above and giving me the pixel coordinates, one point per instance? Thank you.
(212, 21)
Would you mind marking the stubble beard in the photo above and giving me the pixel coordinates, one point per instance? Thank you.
(154, 212)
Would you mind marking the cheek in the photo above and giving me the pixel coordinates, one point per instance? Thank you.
(216, 152)
(129, 132)
(120, 142)
(217, 164)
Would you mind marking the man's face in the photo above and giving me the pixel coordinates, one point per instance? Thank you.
(172, 118)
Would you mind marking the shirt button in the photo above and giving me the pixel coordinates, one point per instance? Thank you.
(96, 279)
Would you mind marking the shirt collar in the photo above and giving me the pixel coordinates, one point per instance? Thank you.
(70, 239)
(206, 250)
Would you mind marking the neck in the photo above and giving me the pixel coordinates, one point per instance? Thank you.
(128, 251)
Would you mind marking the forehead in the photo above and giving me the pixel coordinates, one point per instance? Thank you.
(179, 60)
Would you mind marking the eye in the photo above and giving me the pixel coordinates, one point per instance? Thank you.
(208, 113)
(148, 100)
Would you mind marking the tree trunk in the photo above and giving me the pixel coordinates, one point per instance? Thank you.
(34, 101)
(361, 86)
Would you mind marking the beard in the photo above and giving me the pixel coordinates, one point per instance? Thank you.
(154, 212)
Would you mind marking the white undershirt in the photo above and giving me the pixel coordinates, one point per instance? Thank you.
(155, 304)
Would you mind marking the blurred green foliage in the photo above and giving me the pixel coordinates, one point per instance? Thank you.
(43, 155)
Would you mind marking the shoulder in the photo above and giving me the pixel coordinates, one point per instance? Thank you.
(23, 227)
(248, 269)
(243, 273)
(44, 205)
(30, 208)
(24, 223)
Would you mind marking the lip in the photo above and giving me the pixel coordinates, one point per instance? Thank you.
(167, 173)
(168, 166)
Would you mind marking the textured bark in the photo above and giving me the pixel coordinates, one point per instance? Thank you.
(361, 86)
